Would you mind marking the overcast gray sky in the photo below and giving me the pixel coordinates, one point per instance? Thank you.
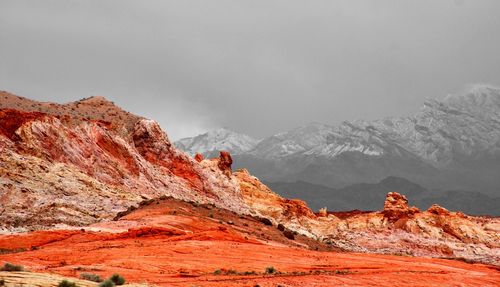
(258, 67)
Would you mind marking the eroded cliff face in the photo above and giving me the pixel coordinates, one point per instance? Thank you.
(71, 167)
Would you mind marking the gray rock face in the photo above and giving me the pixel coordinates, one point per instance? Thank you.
(452, 143)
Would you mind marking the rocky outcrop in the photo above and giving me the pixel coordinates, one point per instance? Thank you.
(402, 229)
(396, 207)
(225, 162)
(60, 168)
(198, 157)
(436, 209)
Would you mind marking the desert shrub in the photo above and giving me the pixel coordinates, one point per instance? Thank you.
(91, 277)
(117, 279)
(342, 272)
(66, 283)
(107, 283)
(289, 234)
(2, 282)
(270, 270)
(266, 221)
(11, 267)
(217, 272)
(281, 227)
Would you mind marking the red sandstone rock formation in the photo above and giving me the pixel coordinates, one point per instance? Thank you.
(84, 162)
(175, 243)
(73, 165)
(436, 209)
(396, 207)
(198, 157)
(225, 162)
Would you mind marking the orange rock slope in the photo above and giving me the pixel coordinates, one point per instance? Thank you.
(174, 243)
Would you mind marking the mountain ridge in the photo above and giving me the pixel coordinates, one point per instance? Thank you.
(452, 143)
(215, 140)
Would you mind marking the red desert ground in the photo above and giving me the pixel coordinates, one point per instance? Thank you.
(88, 190)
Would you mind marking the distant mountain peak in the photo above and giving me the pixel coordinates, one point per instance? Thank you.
(450, 143)
(477, 95)
(216, 140)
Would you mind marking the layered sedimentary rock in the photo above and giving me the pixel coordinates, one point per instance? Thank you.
(67, 164)
(170, 242)
(397, 229)
(85, 162)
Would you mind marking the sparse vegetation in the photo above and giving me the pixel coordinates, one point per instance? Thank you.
(66, 283)
(117, 279)
(2, 282)
(289, 234)
(266, 221)
(11, 267)
(9, 251)
(233, 272)
(270, 270)
(91, 277)
(107, 283)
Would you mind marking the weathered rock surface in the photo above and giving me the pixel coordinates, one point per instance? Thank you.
(396, 207)
(174, 243)
(71, 164)
(398, 229)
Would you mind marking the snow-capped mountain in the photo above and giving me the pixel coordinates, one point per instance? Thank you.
(464, 125)
(449, 143)
(217, 140)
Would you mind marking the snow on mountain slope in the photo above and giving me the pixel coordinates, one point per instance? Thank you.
(217, 140)
(460, 125)
(301, 139)
(452, 143)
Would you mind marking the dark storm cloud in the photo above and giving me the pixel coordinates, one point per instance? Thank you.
(255, 66)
